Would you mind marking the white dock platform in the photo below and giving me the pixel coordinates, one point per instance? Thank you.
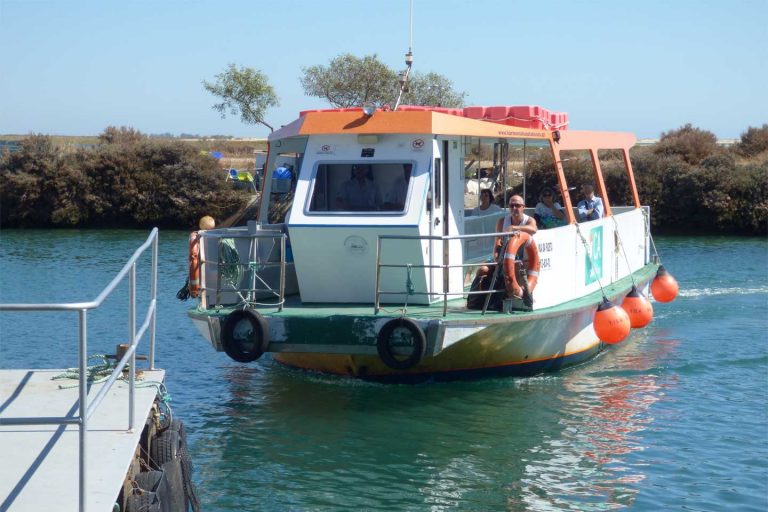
(39, 467)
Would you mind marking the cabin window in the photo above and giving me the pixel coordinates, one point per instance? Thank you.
(361, 187)
(503, 166)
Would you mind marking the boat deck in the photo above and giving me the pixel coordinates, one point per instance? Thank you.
(40, 471)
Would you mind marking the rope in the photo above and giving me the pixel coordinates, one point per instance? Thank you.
(648, 229)
(95, 374)
(592, 262)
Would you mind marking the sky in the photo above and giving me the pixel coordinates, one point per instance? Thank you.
(74, 67)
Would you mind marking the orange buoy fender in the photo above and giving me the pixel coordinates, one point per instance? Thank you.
(638, 308)
(194, 264)
(517, 240)
(611, 322)
(664, 287)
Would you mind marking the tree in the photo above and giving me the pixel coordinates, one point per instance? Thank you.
(245, 92)
(433, 89)
(350, 81)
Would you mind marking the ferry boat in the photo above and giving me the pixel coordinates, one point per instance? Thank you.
(362, 257)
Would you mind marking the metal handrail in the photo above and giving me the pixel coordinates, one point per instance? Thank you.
(86, 409)
(249, 235)
(445, 293)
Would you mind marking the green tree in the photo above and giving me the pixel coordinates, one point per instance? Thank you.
(433, 89)
(350, 81)
(245, 92)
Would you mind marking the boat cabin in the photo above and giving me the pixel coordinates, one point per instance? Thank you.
(378, 208)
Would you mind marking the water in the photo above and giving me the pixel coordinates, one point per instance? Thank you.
(676, 418)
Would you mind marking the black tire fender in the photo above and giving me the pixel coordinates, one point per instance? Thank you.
(164, 448)
(245, 344)
(148, 481)
(384, 344)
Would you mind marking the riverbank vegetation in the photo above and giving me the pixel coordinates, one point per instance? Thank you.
(127, 179)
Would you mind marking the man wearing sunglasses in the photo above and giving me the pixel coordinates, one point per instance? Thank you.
(517, 220)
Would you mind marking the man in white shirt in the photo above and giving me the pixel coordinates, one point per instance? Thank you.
(591, 207)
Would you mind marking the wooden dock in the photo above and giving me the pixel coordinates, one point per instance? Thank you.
(39, 469)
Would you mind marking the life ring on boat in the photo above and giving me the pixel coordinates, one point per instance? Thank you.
(194, 264)
(415, 337)
(245, 335)
(516, 241)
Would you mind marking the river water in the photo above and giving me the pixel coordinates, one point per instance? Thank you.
(674, 418)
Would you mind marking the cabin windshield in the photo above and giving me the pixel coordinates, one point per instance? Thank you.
(361, 187)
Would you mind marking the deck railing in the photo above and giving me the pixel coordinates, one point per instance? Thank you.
(253, 264)
(86, 409)
(444, 266)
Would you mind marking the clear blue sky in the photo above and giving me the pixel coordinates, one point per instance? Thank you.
(75, 67)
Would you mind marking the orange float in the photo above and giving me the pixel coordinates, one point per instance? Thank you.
(611, 322)
(638, 308)
(517, 240)
(664, 287)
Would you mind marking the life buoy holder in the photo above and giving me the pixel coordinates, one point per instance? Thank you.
(245, 335)
(194, 264)
(415, 337)
(517, 240)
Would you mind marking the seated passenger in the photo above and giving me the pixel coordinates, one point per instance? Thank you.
(549, 211)
(517, 220)
(360, 193)
(591, 207)
(486, 206)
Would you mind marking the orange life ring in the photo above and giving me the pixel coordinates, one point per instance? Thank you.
(194, 264)
(517, 240)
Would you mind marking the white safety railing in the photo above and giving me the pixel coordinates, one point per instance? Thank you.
(86, 409)
(253, 264)
(444, 266)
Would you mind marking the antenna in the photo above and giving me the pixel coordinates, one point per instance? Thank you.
(404, 75)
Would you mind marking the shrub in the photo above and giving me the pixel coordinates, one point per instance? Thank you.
(753, 142)
(128, 181)
(689, 143)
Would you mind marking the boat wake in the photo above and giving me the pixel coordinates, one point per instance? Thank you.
(704, 292)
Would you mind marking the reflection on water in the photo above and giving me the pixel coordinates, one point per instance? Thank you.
(554, 442)
(603, 409)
